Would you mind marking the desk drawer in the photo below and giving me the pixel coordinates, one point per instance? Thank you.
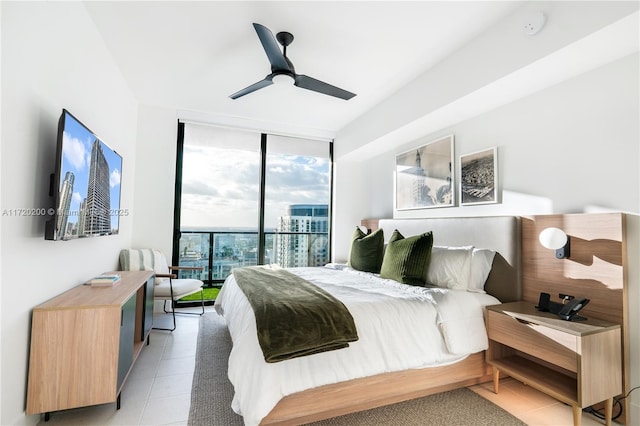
(542, 342)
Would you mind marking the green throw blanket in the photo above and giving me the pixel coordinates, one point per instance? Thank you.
(294, 317)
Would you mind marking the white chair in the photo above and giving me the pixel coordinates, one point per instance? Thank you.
(167, 286)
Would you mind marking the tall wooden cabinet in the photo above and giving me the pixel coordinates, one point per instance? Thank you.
(84, 343)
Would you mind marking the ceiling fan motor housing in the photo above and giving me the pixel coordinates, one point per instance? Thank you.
(284, 38)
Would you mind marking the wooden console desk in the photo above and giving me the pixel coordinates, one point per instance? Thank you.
(85, 341)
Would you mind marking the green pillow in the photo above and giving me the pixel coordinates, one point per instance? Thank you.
(406, 259)
(366, 251)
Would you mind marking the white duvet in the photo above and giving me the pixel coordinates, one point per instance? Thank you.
(399, 327)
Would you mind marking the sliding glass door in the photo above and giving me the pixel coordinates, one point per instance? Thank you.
(245, 198)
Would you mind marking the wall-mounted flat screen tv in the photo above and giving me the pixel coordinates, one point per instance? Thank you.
(85, 184)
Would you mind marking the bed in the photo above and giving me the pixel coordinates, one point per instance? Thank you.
(392, 360)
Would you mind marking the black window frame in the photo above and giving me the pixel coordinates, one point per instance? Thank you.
(261, 196)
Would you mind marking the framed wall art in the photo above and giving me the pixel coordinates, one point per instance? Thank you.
(479, 177)
(424, 176)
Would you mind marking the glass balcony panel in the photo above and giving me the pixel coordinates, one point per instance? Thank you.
(237, 249)
(233, 250)
(194, 252)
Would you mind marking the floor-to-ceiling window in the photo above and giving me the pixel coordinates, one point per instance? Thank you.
(297, 198)
(245, 198)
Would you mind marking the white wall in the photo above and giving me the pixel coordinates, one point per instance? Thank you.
(52, 58)
(513, 91)
(155, 178)
(572, 145)
(497, 67)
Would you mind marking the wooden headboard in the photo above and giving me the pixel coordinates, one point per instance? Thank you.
(499, 233)
(594, 269)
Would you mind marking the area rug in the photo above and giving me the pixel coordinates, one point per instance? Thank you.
(212, 393)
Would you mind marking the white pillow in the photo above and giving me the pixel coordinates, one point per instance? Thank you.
(481, 261)
(338, 266)
(160, 266)
(450, 267)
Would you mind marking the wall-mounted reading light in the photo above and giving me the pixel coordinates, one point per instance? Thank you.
(555, 239)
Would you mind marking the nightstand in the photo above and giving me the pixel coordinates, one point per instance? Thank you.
(576, 362)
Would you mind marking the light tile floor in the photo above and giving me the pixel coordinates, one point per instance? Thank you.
(158, 391)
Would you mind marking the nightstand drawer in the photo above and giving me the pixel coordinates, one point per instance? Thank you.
(540, 341)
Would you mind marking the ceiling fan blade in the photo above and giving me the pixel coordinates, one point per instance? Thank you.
(271, 48)
(310, 83)
(255, 86)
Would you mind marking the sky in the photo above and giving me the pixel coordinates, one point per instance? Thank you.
(76, 157)
(220, 186)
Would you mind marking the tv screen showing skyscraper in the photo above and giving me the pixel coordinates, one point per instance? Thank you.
(87, 183)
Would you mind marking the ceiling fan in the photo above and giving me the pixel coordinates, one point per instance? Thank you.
(281, 67)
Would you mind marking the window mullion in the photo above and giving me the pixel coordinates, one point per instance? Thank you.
(261, 198)
(175, 258)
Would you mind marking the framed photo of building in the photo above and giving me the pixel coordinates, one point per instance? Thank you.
(424, 176)
(479, 177)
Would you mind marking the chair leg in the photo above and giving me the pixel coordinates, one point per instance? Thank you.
(173, 305)
(173, 311)
(173, 314)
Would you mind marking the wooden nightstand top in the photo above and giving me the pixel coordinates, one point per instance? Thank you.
(526, 311)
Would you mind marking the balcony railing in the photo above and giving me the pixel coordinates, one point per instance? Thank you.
(218, 252)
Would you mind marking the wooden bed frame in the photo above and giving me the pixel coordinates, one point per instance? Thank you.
(502, 234)
(370, 392)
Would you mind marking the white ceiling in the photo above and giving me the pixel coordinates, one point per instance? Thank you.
(192, 55)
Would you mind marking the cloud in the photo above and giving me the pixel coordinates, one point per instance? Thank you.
(114, 178)
(220, 186)
(298, 179)
(199, 188)
(74, 151)
(76, 198)
(223, 173)
(207, 212)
